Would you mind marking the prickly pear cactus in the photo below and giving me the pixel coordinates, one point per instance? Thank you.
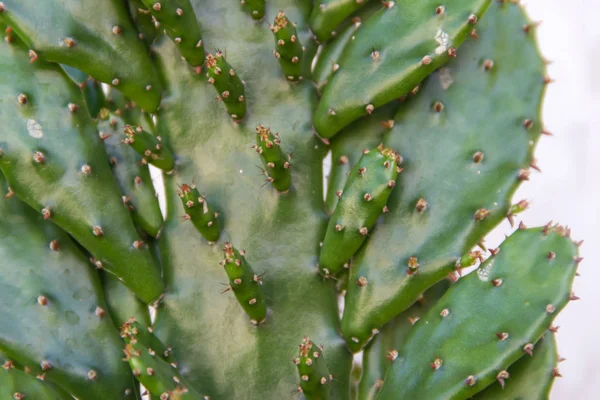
(431, 113)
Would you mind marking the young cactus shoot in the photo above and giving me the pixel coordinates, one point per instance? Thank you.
(315, 380)
(200, 212)
(361, 203)
(277, 164)
(228, 84)
(149, 147)
(244, 283)
(288, 49)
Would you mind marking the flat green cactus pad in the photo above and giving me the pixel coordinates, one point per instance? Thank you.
(98, 40)
(54, 160)
(466, 140)
(54, 319)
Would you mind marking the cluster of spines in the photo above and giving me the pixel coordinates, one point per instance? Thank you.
(314, 375)
(200, 212)
(277, 164)
(179, 21)
(228, 84)
(362, 201)
(133, 331)
(244, 283)
(255, 7)
(288, 49)
(149, 147)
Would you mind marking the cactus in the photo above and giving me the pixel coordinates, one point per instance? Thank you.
(391, 70)
(178, 20)
(228, 84)
(363, 200)
(202, 214)
(439, 213)
(530, 377)
(54, 319)
(149, 147)
(244, 283)
(132, 174)
(315, 380)
(54, 160)
(256, 8)
(537, 283)
(86, 249)
(288, 48)
(277, 164)
(16, 384)
(327, 15)
(100, 41)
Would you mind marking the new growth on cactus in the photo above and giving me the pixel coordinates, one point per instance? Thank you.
(244, 283)
(361, 203)
(203, 215)
(228, 84)
(86, 252)
(277, 164)
(288, 48)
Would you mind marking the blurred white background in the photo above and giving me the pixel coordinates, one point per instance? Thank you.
(567, 191)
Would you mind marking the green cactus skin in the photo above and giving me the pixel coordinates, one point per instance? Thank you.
(149, 147)
(158, 376)
(328, 60)
(281, 233)
(288, 49)
(315, 381)
(122, 304)
(16, 384)
(133, 176)
(381, 64)
(500, 311)
(99, 41)
(91, 88)
(55, 161)
(128, 111)
(464, 162)
(143, 21)
(245, 284)
(228, 84)
(277, 164)
(178, 20)
(124, 308)
(363, 200)
(54, 319)
(530, 377)
(383, 350)
(327, 15)
(256, 8)
(202, 214)
(346, 149)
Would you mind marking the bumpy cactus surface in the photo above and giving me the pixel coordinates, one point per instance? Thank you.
(431, 113)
